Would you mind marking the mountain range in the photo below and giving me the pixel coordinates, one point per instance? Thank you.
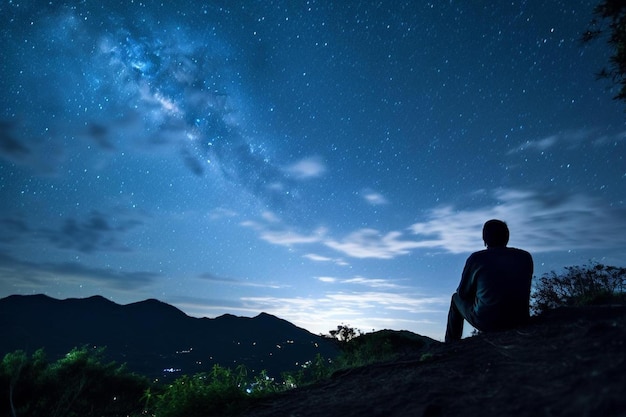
(154, 338)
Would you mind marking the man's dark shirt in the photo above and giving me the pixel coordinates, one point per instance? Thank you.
(497, 281)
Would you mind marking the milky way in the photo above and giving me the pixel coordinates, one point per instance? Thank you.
(321, 161)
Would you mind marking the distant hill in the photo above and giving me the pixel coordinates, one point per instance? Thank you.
(154, 338)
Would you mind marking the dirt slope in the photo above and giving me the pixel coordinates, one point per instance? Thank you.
(570, 362)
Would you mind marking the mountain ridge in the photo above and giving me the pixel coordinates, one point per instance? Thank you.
(150, 335)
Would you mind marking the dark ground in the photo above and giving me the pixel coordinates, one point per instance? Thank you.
(568, 362)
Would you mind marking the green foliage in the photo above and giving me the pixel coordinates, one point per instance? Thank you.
(321, 368)
(16, 372)
(365, 350)
(610, 19)
(358, 351)
(82, 384)
(264, 384)
(217, 393)
(221, 392)
(77, 385)
(378, 346)
(310, 372)
(579, 285)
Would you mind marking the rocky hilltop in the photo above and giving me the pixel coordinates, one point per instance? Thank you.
(567, 362)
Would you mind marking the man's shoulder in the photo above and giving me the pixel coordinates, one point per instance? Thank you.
(520, 252)
(479, 257)
(519, 257)
(490, 252)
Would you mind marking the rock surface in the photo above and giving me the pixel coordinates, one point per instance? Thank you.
(568, 362)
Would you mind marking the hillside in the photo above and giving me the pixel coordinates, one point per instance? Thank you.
(568, 362)
(151, 336)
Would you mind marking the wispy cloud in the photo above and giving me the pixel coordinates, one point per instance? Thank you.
(270, 217)
(12, 229)
(536, 145)
(608, 139)
(96, 231)
(208, 307)
(541, 222)
(271, 229)
(538, 222)
(382, 308)
(569, 140)
(363, 243)
(364, 310)
(221, 213)
(367, 310)
(318, 258)
(19, 145)
(208, 277)
(307, 168)
(372, 282)
(10, 147)
(290, 237)
(371, 243)
(361, 281)
(23, 275)
(374, 198)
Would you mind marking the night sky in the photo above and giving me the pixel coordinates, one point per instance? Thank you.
(323, 161)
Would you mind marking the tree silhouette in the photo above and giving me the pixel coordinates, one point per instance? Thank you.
(344, 333)
(610, 21)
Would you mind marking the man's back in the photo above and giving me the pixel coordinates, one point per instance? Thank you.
(495, 286)
(500, 280)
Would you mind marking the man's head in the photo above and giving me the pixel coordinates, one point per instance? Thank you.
(495, 234)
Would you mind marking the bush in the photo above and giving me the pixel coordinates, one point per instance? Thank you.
(81, 384)
(579, 285)
(217, 393)
(379, 346)
(77, 385)
(309, 373)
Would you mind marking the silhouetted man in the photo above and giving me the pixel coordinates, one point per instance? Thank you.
(494, 292)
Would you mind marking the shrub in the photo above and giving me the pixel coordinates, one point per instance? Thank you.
(78, 384)
(379, 346)
(579, 285)
(356, 349)
(366, 349)
(310, 372)
(217, 393)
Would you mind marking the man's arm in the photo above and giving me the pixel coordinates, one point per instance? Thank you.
(467, 286)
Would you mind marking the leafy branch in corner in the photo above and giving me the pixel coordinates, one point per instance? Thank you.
(610, 20)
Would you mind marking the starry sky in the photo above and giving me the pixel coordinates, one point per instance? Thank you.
(323, 161)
